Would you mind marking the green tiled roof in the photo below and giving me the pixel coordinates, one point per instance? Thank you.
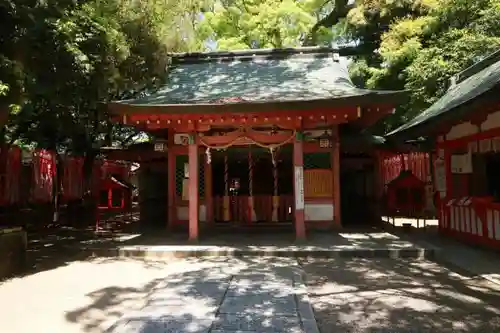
(472, 83)
(257, 76)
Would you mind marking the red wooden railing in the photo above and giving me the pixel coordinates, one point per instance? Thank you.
(263, 207)
(474, 220)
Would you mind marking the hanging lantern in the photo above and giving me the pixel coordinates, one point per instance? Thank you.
(160, 146)
(325, 140)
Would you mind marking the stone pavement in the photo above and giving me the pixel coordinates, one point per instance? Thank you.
(372, 243)
(235, 295)
(398, 295)
(481, 262)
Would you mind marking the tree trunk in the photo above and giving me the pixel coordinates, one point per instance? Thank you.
(89, 204)
(57, 187)
(339, 11)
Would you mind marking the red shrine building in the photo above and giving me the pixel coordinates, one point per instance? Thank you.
(257, 137)
(462, 131)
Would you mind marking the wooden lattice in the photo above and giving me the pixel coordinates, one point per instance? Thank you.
(318, 183)
(179, 175)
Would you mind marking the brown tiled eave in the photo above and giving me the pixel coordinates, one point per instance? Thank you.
(389, 99)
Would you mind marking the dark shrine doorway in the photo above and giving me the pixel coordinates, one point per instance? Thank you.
(357, 190)
(231, 176)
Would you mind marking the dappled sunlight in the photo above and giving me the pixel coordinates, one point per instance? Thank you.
(233, 292)
(397, 295)
(264, 244)
(372, 235)
(106, 287)
(115, 238)
(184, 295)
(458, 296)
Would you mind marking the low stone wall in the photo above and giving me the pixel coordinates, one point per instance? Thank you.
(13, 245)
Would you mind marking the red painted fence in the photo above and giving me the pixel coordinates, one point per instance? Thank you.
(10, 163)
(32, 180)
(72, 183)
(391, 165)
(44, 171)
(473, 220)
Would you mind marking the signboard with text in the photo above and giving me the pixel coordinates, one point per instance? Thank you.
(299, 187)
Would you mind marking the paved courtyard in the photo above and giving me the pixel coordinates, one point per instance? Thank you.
(397, 295)
(190, 295)
(226, 295)
(77, 294)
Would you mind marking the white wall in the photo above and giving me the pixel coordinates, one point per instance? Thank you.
(318, 211)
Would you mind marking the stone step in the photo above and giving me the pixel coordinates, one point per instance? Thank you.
(257, 227)
(186, 251)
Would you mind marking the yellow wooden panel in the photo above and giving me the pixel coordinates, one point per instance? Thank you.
(318, 183)
(185, 189)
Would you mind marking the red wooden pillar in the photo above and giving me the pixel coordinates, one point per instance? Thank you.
(193, 189)
(298, 187)
(251, 211)
(336, 177)
(172, 195)
(209, 199)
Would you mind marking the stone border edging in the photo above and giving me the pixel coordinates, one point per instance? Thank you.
(304, 306)
(155, 253)
(9, 230)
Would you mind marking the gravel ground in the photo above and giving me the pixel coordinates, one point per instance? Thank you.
(386, 295)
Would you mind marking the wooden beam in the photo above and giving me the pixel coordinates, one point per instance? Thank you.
(193, 190)
(369, 116)
(298, 187)
(204, 122)
(336, 178)
(171, 184)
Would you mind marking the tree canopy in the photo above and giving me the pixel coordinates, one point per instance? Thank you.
(421, 51)
(400, 44)
(59, 60)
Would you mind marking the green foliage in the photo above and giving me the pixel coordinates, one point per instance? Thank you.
(422, 49)
(61, 59)
(401, 44)
(244, 24)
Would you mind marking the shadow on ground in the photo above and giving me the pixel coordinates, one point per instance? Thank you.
(358, 295)
(384, 295)
(55, 247)
(189, 298)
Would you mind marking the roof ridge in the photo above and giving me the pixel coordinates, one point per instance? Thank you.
(254, 53)
(489, 60)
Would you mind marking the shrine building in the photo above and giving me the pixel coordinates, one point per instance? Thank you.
(262, 137)
(462, 132)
